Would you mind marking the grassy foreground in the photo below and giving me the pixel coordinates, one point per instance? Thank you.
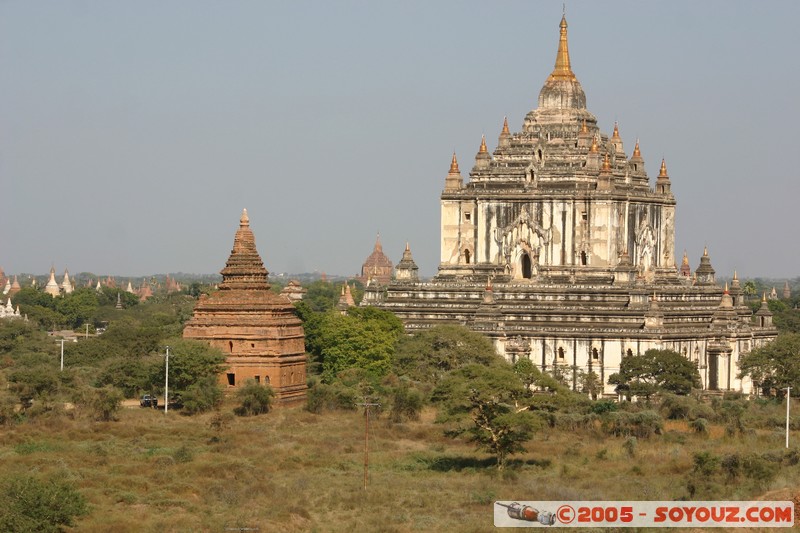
(292, 470)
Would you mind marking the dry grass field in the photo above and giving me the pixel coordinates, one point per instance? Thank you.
(292, 470)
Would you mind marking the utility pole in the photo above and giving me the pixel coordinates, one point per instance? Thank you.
(62, 353)
(166, 385)
(366, 405)
(788, 401)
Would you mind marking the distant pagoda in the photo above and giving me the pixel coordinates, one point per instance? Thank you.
(257, 329)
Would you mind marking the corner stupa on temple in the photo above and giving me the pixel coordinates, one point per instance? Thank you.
(559, 248)
(255, 328)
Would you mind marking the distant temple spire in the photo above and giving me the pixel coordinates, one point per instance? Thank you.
(52, 286)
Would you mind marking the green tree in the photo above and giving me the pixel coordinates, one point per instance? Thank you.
(590, 384)
(35, 382)
(487, 405)
(363, 338)
(79, 307)
(28, 504)
(254, 399)
(203, 395)
(430, 354)
(775, 365)
(194, 367)
(105, 403)
(749, 288)
(655, 371)
(321, 296)
(132, 375)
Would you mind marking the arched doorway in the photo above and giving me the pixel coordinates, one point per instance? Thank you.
(525, 263)
(466, 256)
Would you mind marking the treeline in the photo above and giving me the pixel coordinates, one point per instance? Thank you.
(99, 371)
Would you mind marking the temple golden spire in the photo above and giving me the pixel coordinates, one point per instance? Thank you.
(606, 164)
(636, 152)
(615, 136)
(563, 70)
(594, 149)
(483, 149)
(505, 127)
(685, 258)
(584, 127)
(244, 220)
(454, 165)
(663, 172)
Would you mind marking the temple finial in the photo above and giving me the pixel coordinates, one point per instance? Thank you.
(563, 70)
(636, 152)
(454, 165)
(505, 126)
(663, 172)
(245, 220)
(483, 149)
(615, 135)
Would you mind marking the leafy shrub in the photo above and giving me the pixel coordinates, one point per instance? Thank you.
(406, 403)
(183, 454)
(630, 446)
(574, 421)
(202, 396)
(28, 504)
(643, 424)
(221, 421)
(705, 463)
(255, 399)
(699, 426)
(602, 407)
(731, 465)
(759, 469)
(105, 403)
(324, 397)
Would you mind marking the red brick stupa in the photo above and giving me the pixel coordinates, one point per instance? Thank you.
(256, 328)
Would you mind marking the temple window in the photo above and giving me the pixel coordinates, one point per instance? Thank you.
(561, 353)
(584, 259)
(231, 379)
(258, 379)
(467, 217)
(629, 353)
(595, 354)
(466, 256)
(230, 346)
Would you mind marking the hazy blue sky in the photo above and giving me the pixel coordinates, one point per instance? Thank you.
(133, 133)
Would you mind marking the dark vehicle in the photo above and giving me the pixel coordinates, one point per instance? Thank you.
(148, 401)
